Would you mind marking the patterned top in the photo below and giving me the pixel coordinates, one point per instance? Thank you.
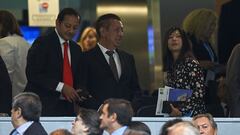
(188, 75)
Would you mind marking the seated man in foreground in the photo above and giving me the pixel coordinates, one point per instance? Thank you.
(26, 112)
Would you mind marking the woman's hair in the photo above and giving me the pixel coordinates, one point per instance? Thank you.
(186, 50)
(84, 35)
(8, 24)
(199, 23)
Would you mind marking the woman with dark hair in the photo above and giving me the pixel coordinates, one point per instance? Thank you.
(182, 71)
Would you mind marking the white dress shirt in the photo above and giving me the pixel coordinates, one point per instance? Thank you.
(115, 56)
(21, 129)
(61, 40)
(13, 50)
(119, 131)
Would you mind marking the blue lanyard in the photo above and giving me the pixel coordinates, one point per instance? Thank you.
(210, 52)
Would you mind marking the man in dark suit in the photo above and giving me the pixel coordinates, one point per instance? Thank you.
(110, 72)
(26, 111)
(53, 66)
(233, 82)
(228, 33)
(5, 89)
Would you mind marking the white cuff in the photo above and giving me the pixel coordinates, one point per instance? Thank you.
(60, 87)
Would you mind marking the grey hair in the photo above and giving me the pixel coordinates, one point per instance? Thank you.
(209, 117)
(186, 128)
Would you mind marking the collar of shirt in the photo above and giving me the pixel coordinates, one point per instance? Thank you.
(119, 131)
(103, 49)
(61, 40)
(115, 56)
(24, 127)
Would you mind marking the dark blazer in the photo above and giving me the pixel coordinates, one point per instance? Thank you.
(233, 82)
(100, 81)
(228, 32)
(35, 129)
(45, 69)
(5, 89)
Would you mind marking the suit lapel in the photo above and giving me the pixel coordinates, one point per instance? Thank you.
(12, 131)
(122, 63)
(100, 58)
(74, 59)
(58, 50)
(36, 128)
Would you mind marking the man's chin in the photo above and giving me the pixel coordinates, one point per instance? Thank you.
(102, 127)
(68, 38)
(117, 45)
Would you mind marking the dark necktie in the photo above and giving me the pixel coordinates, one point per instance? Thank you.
(67, 71)
(112, 64)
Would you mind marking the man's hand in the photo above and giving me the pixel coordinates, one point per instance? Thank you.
(70, 93)
(83, 94)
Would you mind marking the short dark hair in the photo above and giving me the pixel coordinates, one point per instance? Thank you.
(67, 11)
(30, 105)
(104, 21)
(90, 119)
(134, 132)
(140, 127)
(122, 108)
(164, 129)
(8, 24)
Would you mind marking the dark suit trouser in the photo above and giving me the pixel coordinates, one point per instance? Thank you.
(57, 108)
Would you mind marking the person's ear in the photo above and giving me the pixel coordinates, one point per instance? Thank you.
(19, 112)
(85, 128)
(57, 22)
(102, 31)
(114, 116)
